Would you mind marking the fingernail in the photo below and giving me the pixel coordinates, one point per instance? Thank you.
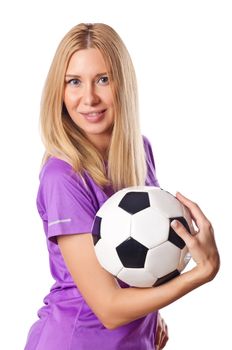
(174, 223)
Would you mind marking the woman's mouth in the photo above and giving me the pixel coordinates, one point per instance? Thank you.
(94, 117)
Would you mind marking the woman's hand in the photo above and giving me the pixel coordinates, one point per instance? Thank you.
(161, 336)
(202, 245)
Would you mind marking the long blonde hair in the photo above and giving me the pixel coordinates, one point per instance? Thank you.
(62, 137)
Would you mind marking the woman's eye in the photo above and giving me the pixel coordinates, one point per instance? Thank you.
(104, 80)
(75, 82)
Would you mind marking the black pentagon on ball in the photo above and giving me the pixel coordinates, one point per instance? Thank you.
(96, 228)
(133, 202)
(166, 278)
(173, 236)
(132, 253)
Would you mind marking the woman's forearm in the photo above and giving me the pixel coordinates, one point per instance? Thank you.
(128, 304)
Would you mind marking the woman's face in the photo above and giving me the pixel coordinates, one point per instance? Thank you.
(88, 96)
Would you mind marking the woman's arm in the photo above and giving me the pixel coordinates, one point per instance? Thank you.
(115, 306)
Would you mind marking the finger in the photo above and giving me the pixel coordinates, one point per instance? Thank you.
(157, 339)
(163, 343)
(158, 329)
(158, 336)
(162, 336)
(182, 232)
(166, 330)
(195, 211)
(165, 337)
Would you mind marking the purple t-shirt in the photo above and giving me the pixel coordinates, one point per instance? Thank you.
(66, 322)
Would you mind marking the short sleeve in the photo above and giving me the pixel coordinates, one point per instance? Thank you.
(64, 201)
(151, 168)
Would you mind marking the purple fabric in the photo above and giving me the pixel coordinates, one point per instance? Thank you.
(66, 322)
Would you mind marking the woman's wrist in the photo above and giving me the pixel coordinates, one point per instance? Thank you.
(205, 272)
(209, 269)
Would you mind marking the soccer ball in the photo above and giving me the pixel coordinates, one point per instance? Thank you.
(135, 241)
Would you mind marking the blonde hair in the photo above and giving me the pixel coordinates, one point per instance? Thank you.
(62, 137)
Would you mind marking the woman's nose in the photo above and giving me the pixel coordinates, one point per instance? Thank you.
(90, 96)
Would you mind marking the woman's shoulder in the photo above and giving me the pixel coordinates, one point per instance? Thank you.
(151, 167)
(55, 167)
(57, 173)
(147, 145)
(145, 140)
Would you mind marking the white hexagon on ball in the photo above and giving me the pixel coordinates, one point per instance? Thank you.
(115, 226)
(163, 259)
(137, 277)
(165, 202)
(149, 227)
(104, 250)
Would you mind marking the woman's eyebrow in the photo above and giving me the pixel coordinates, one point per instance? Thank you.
(78, 76)
(72, 76)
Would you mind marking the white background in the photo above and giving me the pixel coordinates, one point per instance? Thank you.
(182, 54)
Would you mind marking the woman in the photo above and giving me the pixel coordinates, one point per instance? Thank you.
(94, 147)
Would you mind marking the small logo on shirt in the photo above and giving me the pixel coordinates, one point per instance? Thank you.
(58, 222)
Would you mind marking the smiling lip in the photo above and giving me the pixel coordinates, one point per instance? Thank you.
(95, 116)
